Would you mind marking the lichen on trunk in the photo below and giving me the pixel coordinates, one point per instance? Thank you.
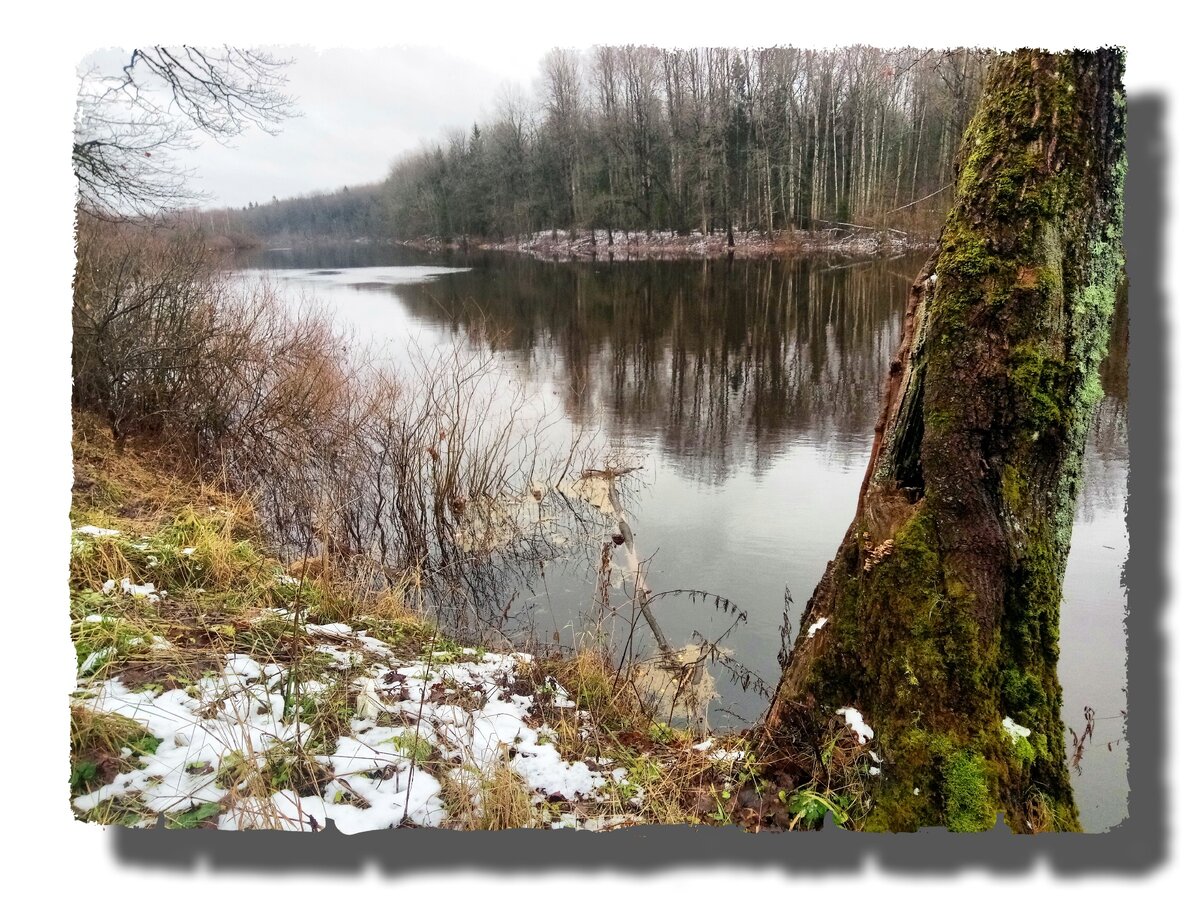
(942, 602)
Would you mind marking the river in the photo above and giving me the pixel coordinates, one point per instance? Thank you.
(748, 392)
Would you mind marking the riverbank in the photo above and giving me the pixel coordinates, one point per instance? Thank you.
(633, 245)
(219, 687)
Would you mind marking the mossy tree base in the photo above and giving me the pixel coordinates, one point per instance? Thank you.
(942, 603)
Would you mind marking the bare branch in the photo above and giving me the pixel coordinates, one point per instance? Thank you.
(129, 126)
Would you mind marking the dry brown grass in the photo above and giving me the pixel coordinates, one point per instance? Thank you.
(161, 508)
(611, 701)
(101, 735)
(493, 797)
(146, 483)
(217, 601)
(667, 781)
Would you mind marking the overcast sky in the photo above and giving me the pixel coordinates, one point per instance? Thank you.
(359, 109)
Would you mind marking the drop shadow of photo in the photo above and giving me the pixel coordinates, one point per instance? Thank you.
(1136, 846)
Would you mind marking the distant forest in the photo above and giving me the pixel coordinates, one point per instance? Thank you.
(711, 139)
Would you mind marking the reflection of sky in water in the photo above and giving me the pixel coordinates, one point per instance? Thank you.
(749, 391)
(360, 299)
(1092, 639)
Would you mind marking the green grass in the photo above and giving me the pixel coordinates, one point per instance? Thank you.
(99, 742)
(218, 592)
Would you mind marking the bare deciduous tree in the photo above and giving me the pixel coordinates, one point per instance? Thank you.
(129, 126)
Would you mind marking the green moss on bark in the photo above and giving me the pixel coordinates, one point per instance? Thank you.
(969, 803)
(956, 624)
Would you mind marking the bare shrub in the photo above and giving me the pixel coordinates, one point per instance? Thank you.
(144, 316)
(417, 479)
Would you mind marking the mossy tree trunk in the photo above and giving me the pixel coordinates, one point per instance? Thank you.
(941, 607)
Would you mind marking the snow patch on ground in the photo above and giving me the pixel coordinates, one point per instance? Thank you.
(231, 713)
(139, 591)
(96, 532)
(465, 712)
(92, 662)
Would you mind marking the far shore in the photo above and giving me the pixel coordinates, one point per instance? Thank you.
(632, 245)
(637, 245)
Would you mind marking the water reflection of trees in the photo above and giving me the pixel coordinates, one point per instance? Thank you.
(722, 362)
(1106, 458)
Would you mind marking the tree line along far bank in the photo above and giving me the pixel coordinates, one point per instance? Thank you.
(641, 138)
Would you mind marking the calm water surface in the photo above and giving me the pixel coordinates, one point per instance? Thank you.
(749, 391)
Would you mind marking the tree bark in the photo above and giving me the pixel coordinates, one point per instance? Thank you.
(938, 617)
